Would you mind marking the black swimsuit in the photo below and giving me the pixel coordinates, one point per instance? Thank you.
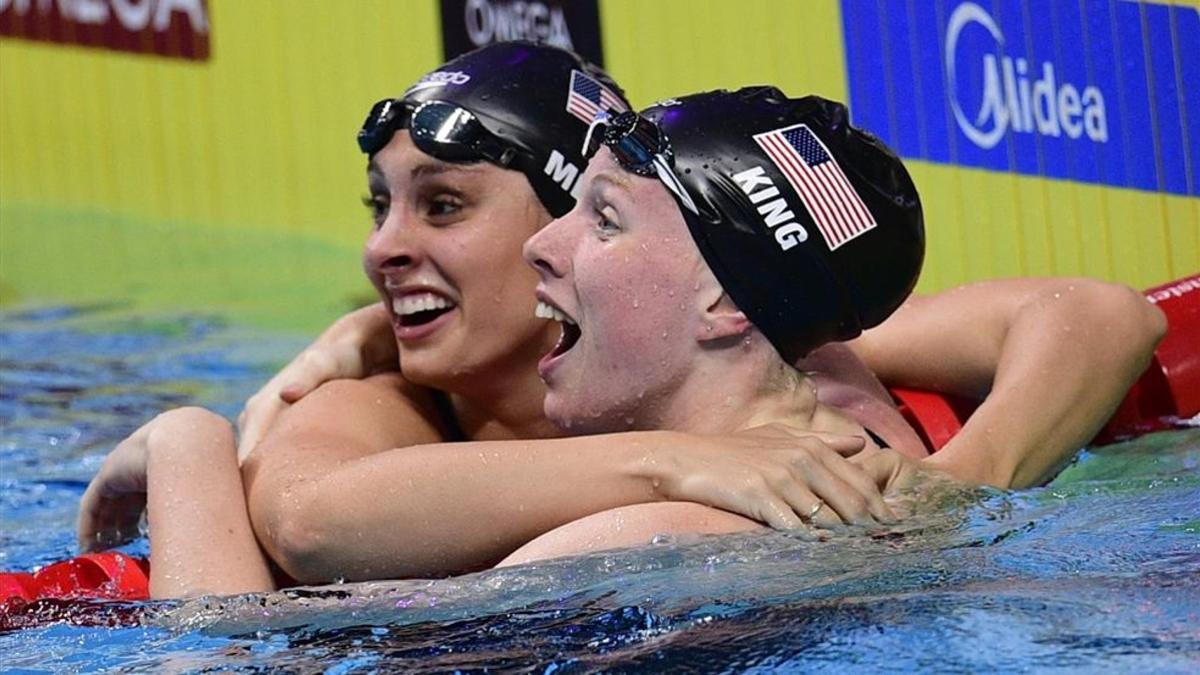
(445, 411)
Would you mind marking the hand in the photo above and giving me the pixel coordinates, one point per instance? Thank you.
(112, 505)
(891, 471)
(904, 480)
(778, 476)
(356, 346)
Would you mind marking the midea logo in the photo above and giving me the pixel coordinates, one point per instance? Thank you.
(1009, 100)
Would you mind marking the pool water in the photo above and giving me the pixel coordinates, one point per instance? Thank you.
(1098, 570)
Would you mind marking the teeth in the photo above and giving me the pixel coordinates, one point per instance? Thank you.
(545, 311)
(419, 302)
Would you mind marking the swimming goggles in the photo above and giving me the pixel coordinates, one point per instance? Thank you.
(639, 145)
(440, 129)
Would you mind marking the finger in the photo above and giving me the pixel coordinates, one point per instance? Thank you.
(85, 526)
(810, 508)
(842, 445)
(779, 515)
(118, 520)
(842, 497)
(255, 421)
(883, 469)
(310, 371)
(863, 483)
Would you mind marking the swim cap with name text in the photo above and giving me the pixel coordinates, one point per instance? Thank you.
(812, 226)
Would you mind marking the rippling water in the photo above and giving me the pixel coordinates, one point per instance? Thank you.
(1099, 570)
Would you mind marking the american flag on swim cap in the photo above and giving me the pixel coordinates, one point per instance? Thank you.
(835, 207)
(588, 97)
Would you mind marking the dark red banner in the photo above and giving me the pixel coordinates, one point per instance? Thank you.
(174, 28)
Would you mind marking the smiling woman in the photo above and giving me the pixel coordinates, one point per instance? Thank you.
(468, 163)
(439, 228)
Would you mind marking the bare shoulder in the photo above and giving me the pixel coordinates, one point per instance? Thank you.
(343, 420)
(635, 525)
(383, 410)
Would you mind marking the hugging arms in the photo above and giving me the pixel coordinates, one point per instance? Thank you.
(451, 464)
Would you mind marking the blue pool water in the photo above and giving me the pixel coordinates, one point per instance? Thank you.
(1098, 570)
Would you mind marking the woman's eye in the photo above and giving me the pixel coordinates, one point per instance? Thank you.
(378, 206)
(605, 226)
(444, 206)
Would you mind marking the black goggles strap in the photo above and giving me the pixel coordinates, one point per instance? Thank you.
(639, 146)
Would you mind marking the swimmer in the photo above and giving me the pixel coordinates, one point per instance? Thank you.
(448, 465)
(1001, 342)
(746, 229)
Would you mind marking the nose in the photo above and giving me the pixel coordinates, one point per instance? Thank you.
(546, 250)
(391, 247)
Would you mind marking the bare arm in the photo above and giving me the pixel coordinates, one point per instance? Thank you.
(181, 467)
(329, 499)
(627, 526)
(1051, 359)
(357, 345)
(201, 541)
(639, 524)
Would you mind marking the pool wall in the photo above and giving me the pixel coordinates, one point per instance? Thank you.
(226, 178)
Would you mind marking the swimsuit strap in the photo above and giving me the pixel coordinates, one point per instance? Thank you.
(878, 439)
(445, 411)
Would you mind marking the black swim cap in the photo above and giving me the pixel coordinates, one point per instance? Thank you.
(812, 226)
(533, 98)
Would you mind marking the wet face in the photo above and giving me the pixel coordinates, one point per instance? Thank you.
(621, 273)
(445, 255)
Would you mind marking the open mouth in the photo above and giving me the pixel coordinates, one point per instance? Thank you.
(419, 309)
(570, 329)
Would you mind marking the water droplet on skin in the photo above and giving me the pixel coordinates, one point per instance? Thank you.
(635, 303)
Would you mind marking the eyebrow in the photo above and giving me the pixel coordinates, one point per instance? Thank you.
(431, 167)
(612, 180)
(437, 167)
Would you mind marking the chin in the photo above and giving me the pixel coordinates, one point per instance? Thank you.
(577, 419)
(554, 411)
(424, 369)
(565, 416)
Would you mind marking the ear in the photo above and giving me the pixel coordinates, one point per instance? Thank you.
(721, 319)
